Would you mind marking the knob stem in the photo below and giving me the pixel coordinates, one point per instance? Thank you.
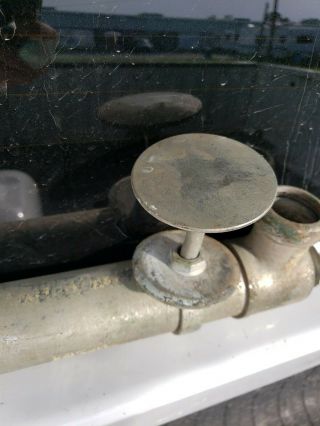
(191, 247)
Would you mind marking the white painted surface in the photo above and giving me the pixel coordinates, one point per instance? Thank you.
(155, 380)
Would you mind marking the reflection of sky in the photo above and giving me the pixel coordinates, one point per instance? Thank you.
(294, 9)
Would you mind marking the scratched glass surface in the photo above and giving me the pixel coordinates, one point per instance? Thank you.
(65, 195)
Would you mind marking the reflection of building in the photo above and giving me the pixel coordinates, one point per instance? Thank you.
(163, 33)
(297, 42)
(155, 33)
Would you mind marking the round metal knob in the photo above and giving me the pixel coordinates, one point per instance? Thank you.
(149, 109)
(198, 183)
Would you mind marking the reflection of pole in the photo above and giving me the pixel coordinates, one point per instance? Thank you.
(260, 41)
(274, 16)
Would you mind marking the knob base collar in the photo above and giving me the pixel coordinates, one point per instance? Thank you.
(210, 279)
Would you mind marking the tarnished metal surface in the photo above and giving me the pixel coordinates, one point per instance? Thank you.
(80, 311)
(149, 109)
(191, 246)
(50, 317)
(199, 183)
(155, 272)
(46, 318)
(278, 258)
(202, 182)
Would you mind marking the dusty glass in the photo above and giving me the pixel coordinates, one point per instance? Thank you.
(250, 66)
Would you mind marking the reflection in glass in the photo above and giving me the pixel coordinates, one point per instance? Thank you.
(252, 65)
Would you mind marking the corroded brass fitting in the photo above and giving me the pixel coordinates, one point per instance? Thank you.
(278, 260)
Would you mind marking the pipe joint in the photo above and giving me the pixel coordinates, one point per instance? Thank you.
(278, 258)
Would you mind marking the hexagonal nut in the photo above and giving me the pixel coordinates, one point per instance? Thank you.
(189, 268)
